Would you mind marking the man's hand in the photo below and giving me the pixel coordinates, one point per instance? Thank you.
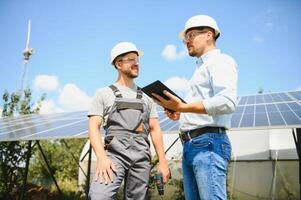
(163, 168)
(104, 170)
(174, 103)
(174, 116)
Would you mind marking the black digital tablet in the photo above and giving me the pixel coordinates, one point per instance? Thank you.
(158, 87)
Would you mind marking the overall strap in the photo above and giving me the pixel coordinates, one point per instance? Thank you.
(139, 93)
(117, 93)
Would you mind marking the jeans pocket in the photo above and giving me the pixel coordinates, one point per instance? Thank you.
(226, 151)
(201, 143)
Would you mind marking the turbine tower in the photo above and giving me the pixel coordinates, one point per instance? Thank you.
(26, 53)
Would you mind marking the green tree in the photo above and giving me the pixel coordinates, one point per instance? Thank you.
(12, 154)
(60, 155)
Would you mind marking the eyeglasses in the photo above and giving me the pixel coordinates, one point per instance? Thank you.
(192, 35)
(130, 60)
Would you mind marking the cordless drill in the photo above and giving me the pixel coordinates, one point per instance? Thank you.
(159, 183)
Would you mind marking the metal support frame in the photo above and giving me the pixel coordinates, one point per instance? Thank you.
(48, 167)
(297, 139)
(72, 155)
(88, 172)
(28, 155)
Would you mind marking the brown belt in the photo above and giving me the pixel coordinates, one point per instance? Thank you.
(187, 135)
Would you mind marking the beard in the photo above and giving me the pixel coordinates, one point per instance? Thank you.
(192, 53)
(130, 74)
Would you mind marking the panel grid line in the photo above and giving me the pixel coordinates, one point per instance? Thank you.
(52, 129)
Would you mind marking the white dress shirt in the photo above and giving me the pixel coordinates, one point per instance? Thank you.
(214, 83)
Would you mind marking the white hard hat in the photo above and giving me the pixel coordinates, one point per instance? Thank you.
(123, 47)
(200, 21)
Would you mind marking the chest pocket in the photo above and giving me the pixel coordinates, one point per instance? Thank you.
(127, 114)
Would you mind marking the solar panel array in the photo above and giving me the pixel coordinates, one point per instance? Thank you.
(38, 127)
(268, 110)
(254, 111)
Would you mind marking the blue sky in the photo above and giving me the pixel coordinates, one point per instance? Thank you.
(72, 42)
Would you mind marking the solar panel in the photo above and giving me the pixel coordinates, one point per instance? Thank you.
(280, 110)
(51, 126)
(268, 110)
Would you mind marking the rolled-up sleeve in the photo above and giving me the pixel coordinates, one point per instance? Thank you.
(223, 78)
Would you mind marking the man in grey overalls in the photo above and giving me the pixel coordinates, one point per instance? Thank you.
(128, 116)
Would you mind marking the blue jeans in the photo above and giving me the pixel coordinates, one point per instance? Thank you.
(204, 165)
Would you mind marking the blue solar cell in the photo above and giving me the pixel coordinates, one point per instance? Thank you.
(239, 109)
(275, 118)
(296, 95)
(294, 106)
(247, 120)
(290, 118)
(175, 127)
(235, 119)
(283, 107)
(285, 97)
(259, 99)
(251, 100)
(260, 109)
(298, 113)
(242, 100)
(164, 120)
(161, 115)
(170, 126)
(267, 98)
(261, 119)
(271, 108)
(276, 98)
(249, 110)
(165, 124)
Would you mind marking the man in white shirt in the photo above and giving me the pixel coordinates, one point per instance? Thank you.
(205, 118)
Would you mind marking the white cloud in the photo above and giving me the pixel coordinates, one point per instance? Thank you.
(46, 82)
(267, 19)
(177, 84)
(298, 88)
(258, 39)
(49, 107)
(73, 99)
(170, 52)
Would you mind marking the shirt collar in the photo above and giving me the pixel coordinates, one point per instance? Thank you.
(206, 56)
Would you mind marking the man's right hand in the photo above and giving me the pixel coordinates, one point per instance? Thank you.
(172, 115)
(104, 170)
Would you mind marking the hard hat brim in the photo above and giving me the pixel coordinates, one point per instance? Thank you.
(182, 33)
(140, 54)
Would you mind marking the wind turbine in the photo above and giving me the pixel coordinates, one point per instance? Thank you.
(26, 53)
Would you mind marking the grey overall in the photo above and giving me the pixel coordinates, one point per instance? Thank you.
(127, 146)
